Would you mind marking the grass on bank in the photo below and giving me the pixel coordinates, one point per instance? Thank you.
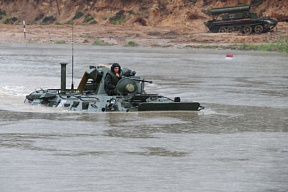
(60, 42)
(131, 43)
(99, 42)
(281, 45)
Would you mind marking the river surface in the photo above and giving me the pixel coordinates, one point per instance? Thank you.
(238, 143)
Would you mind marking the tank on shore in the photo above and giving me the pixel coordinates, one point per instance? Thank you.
(90, 95)
(238, 18)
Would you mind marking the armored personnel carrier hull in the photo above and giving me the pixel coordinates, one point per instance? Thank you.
(90, 95)
(238, 18)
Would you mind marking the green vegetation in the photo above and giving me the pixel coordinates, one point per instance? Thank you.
(142, 9)
(60, 42)
(104, 18)
(281, 45)
(118, 18)
(131, 12)
(2, 13)
(10, 20)
(39, 17)
(99, 42)
(78, 15)
(88, 18)
(120, 21)
(58, 23)
(48, 20)
(69, 22)
(131, 43)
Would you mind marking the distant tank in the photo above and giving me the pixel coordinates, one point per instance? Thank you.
(90, 95)
(238, 18)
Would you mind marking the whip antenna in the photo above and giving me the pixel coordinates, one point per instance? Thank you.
(72, 84)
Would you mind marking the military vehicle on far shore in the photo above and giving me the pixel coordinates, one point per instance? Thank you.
(238, 18)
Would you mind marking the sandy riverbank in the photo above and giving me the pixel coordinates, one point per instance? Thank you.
(142, 35)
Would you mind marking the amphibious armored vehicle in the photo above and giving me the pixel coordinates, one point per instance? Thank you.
(90, 95)
(238, 18)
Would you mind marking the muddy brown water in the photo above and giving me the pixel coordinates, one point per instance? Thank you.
(238, 143)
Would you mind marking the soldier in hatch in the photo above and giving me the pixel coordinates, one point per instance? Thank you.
(112, 78)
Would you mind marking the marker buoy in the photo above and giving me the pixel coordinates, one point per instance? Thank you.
(229, 56)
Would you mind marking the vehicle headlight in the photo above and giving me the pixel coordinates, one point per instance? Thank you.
(112, 102)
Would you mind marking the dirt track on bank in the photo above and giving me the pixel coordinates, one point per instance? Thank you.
(142, 35)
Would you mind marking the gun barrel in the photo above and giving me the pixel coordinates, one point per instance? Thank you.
(142, 80)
